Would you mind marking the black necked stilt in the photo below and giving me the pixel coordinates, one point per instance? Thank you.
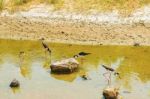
(45, 46)
(81, 54)
(110, 71)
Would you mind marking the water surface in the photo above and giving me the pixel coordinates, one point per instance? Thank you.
(32, 70)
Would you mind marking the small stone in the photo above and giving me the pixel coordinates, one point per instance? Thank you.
(62, 32)
(110, 93)
(85, 77)
(14, 83)
(136, 44)
(100, 44)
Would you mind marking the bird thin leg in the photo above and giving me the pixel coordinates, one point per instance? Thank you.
(47, 57)
(107, 77)
(82, 61)
(50, 57)
(20, 62)
(45, 54)
(46, 63)
(21, 59)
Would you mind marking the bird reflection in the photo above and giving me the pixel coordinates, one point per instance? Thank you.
(23, 64)
(16, 90)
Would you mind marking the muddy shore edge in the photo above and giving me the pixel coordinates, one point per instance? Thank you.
(99, 30)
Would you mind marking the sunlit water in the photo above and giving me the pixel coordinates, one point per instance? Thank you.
(32, 70)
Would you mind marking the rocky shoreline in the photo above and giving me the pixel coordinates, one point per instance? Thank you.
(93, 29)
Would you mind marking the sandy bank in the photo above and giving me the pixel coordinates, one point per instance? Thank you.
(63, 27)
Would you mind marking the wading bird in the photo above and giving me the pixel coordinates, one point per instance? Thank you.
(47, 57)
(108, 68)
(110, 71)
(45, 46)
(81, 54)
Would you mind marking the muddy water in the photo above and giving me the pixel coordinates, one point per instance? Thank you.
(32, 70)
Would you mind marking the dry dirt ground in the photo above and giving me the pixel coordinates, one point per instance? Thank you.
(62, 31)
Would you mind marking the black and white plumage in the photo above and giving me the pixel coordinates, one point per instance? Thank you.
(111, 70)
(108, 68)
(80, 54)
(46, 47)
(107, 75)
(84, 53)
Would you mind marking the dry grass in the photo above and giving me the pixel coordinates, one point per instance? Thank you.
(15, 5)
(19, 2)
(124, 6)
(57, 3)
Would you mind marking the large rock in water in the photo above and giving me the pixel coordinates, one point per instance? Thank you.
(64, 66)
(110, 93)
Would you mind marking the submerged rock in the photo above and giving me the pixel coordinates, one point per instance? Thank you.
(110, 93)
(64, 66)
(136, 44)
(85, 77)
(14, 83)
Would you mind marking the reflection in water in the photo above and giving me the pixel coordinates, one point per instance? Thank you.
(131, 62)
(16, 90)
(25, 68)
(65, 77)
(25, 71)
(47, 61)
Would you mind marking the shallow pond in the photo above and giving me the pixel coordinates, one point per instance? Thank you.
(32, 70)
